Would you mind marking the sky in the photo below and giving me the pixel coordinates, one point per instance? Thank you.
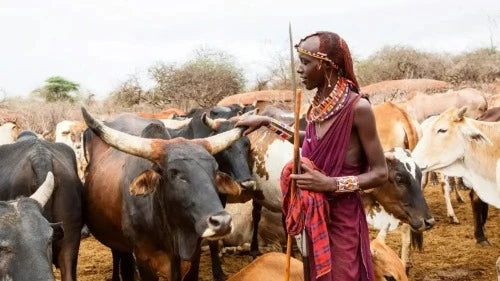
(99, 44)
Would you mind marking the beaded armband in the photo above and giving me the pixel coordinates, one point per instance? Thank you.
(347, 184)
(281, 129)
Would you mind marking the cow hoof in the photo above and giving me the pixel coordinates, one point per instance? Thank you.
(484, 243)
(454, 220)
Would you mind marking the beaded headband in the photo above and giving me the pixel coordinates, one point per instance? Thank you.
(318, 55)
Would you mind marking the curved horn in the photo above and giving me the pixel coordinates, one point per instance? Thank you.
(44, 192)
(146, 148)
(220, 142)
(213, 124)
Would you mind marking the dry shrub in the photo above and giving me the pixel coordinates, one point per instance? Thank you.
(482, 65)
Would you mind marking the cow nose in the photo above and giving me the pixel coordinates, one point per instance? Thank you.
(218, 225)
(429, 223)
(249, 185)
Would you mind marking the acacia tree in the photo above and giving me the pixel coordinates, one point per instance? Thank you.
(57, 88)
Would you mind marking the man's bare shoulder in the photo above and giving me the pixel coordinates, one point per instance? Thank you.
(363, 111)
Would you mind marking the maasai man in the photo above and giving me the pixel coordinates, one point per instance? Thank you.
(342, 143)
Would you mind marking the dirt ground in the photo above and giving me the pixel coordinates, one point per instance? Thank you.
(450, 251)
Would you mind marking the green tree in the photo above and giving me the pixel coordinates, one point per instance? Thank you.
(57, 88)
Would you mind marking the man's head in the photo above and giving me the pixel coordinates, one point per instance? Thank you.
(324, 56)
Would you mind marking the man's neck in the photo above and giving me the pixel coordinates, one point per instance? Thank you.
(325, 90)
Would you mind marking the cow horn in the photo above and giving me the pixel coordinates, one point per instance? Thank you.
(44, 192)
(220, 142)
(127, 143)
(213, 124)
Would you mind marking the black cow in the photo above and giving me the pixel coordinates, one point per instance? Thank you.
(26, 236)
(153, 196)
(24, 167)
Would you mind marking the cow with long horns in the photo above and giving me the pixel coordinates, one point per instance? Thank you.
(154, 196)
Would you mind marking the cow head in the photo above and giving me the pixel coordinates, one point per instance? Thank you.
(445, 140)
(183, 181)
(234, 160)
(401, 195)
(26, 237)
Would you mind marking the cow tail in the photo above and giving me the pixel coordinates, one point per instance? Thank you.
(409, 127)
(41, 163)
(417, 240)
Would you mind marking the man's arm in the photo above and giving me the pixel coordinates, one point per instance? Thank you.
(364, 122)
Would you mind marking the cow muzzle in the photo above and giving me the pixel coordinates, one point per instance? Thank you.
(218, 225)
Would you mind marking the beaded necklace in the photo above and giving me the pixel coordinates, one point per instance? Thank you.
(330, 106)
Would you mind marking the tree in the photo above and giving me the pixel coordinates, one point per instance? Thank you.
(57, 88)
(202, 81)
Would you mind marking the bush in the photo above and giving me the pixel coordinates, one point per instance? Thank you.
(57, 88)
(128, 93)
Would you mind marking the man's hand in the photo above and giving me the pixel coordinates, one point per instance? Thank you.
(252, 122)
(313, 180)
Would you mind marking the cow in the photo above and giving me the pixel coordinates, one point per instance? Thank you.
(422, 106)
(494, 100)
(459, 146)
(498, 268)
(395, 127)
(71, 133)
(491, 115)
(26, 236)
(153, 196)
(9, 132)
(271, 266)
(24, 166)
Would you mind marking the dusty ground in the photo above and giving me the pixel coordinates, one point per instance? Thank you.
(450, 251)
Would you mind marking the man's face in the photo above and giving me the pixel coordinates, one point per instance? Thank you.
(311, 70)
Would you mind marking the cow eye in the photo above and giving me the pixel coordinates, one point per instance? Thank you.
(442, 131)
(65, 132)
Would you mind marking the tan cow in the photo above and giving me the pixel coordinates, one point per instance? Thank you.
(422, 106)
(395, 126)
(9, 132)
(168, 113)
(459, 146)
(70, 133)
(271, 266)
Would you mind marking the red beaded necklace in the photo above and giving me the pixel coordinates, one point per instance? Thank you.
(321, 110)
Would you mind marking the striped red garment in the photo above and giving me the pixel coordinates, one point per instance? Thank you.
(309, 209)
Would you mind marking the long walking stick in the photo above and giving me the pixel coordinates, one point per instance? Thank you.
(297, 96)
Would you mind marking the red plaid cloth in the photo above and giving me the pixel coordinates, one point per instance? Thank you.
(309, 209)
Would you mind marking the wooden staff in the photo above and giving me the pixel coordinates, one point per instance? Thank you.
(297, 96)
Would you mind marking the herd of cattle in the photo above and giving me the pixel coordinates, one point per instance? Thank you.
(153, 187)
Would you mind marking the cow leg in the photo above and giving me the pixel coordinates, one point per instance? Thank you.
(66, 252)
(405, 246)
(217, 271)
(256, 216)
(145, 272)
(123, 263)
(447, 199)
(425, 179)
(85, 233)
(457, 181)
(194, 270)
(480, 213)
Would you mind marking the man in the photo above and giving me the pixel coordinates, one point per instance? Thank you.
(342, 143)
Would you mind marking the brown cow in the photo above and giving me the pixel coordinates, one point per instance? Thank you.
(168, 113)
(422, 106)
(386, 264)
(395, 127)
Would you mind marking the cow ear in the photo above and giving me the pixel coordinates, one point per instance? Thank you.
(474, 134)
(226, 185)
(461, 113)
(145, 183)
(58, 229)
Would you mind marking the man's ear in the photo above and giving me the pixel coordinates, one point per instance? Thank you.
(145, 183)
(226, 185)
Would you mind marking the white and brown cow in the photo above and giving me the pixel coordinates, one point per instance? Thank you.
(459, 146)
(9, 132)
(71, 133)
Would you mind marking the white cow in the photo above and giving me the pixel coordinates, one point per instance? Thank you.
(70, 133)
(459, 146)
(9, 132)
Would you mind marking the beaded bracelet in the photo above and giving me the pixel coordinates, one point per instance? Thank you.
(347, 184)
(281, 129)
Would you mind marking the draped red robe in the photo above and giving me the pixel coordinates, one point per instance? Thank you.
(347, 226)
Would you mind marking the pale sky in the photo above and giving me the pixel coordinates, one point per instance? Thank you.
(100, 43)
